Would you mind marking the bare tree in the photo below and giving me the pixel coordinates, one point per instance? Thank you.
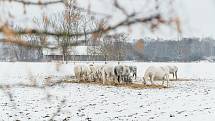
(67, 22)
(114, 47)
(120, 46)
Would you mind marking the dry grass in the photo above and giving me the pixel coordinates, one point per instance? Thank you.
(140, 86)
(135, 85)
(126, 85)
(182, 79)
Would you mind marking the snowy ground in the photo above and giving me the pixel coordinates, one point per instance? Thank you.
(192, 100)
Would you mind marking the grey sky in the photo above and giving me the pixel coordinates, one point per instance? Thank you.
(198, 17)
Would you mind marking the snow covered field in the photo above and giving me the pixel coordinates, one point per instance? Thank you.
(192, 100)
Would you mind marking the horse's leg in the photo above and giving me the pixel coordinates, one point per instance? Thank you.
(163, 80)
(115, 79)
(97, 77)
(81, 77)
(78, 77)
(109, 78)
(126, 78)
(176, 75)
(86, 77)
(104, 78)
(167, 80)
(120, 79)
(152, 79)
(94, 77)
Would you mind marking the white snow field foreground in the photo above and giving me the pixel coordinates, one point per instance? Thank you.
(190, 100)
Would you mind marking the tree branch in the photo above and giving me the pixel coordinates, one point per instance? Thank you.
(125, 22)
(35, 3)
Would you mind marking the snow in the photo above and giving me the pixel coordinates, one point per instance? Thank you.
(184, 100)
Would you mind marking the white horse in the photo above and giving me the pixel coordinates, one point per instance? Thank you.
(127, 74)
(78, 72)
(133, 70)
(157, 73)
(108, 73)
(99, 71)
(82, 72)
(173, 70)
(96, 72)
(118, 71)
(93, 72)
(123, 73)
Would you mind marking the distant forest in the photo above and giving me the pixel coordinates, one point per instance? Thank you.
(119, 49)
(184, 50)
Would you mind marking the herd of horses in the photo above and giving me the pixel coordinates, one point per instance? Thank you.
(108, 73)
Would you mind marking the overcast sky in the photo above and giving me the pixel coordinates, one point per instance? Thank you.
(198, 16)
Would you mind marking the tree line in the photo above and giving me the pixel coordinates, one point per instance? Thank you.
(118, 47)
(184, 50)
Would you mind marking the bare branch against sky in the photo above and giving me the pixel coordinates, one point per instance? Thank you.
(39, 2)
(152, 16)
